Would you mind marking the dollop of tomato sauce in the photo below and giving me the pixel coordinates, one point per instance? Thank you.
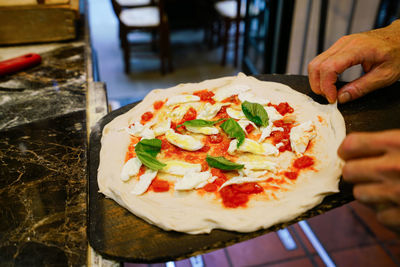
(205, 95)
(303, 162)
(291, 175)
(283, 108)
(237, 195)
(131, 149)
(158, 104)
(249, 128)
(190, 114)
(282, 136)
(222, 114)
(221, 179)
(232, 99)
(158, 185)
(147, 116)
(219, 144)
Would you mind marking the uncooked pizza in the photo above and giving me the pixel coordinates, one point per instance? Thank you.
(232, 153)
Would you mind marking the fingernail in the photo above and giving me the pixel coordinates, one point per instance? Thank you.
(344, 97)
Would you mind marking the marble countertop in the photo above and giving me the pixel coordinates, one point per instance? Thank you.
(45, 114)
(55, 87)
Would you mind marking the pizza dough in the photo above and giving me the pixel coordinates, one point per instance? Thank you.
(194, 212)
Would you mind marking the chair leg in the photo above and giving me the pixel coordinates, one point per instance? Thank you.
(154, 40)
(168, 49)
(162, 49)
(225, 44)
(237, 34)
(125, 49)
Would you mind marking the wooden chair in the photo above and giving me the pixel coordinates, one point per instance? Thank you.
(148, 17)
(231, 11)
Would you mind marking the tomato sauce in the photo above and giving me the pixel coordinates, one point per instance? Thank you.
(222, 114)
(283, 108)
(221, 179)
(215, 138)
(282, 136)
(219, 145)
(158, 104)
(205, 95)
(249, 128)
(303, 162)
(237, 195)
(147, 116)
(190, 114)
(232, 99)
(131, 149)
(291, 175)
(159, 185)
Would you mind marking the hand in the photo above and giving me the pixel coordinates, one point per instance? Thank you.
(373, 165)
(378, 52)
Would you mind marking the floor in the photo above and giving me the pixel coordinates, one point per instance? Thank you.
(349, 236)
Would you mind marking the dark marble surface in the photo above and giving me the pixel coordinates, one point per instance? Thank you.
(43, 193)
(55, 87)
(43, 178)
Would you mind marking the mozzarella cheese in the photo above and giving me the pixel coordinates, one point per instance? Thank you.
(252, 146)
(243, 123)
(130, 168)
(241, 180)
(180, 99)
(209, 111)
(230, 90)
(183, 141)
(266, 131)
(251, 173)
(236, 114)
(179, 112)
(177, 167)
(193, 180)
(162, 127)
(258, 164)
(137, 129)
(273, 114)
(144, 182)
(208, 130)
(301, 135)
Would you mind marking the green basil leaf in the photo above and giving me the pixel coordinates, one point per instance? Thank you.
(198, 123)
(255, 113)
(233, 129)
(222, 163)
(150, 146)
(149, 161)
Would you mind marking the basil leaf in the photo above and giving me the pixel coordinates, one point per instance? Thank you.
(150, 146)
(147, 150)
(222, 163)
(198, 123)
(149, 161)
(233, 129)
(255, 113)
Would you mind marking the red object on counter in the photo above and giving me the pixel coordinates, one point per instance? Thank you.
(19, 63)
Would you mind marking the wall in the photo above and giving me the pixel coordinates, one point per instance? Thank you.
(338, 22)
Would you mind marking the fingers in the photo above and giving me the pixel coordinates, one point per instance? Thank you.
(323, 69)
(357, 145)
(362, 171)
(371, 157)
(377, 78)
(384, 194)
(390, 217)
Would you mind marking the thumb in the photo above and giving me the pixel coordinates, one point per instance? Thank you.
(376, 78)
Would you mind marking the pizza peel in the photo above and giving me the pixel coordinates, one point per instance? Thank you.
(117, 234)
